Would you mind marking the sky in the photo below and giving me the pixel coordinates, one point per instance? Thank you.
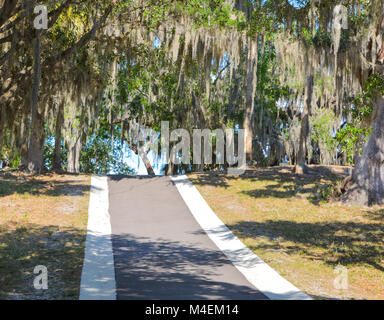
(135, 162)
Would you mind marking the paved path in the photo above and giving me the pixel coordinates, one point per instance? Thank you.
(161, 252)
(159, 249)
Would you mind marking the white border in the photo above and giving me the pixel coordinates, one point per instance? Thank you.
(98, 275)
(257, 272)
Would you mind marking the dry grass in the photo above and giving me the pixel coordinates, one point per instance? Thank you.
(282, 218)
(43, 221)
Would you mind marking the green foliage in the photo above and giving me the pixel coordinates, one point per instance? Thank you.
(374, 86)
(269, 89)
(149, 70)
(69, 27)
(261, 20)
(359, 19)
(322, 39)
(152, 88)
(363, 104)
(350, 139)
(331, 191)
(155, 12)
(8, 153)
(98, 157)
(353, 135)
(212, 12)
(102, 154)
(322, 125)
(48, 152)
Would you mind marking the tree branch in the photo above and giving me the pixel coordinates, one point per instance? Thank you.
(7, 10)
(82, 42)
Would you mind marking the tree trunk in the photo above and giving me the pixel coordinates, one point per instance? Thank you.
(147, 163)
(36, 141)
(24, 129)
(301, 166)
(2, 127)
(143, 156)
(367, 183)
(250, 98)
(73, 157)
(172, 168)
(58, 136)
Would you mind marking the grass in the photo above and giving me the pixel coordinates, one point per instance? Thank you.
(285, 220)
(43, 221)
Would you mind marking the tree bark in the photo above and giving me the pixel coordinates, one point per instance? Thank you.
(147, 163)
(145, 159)
(250, 98)
(73, 156)
(301, 166)
(24, 129)
(367, 183)
(36, 141)
(2, 126)
(7, 10)
(58, 136)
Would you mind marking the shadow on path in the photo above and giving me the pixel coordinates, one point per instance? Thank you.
(170, 270)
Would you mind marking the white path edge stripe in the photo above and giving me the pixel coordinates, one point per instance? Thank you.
(255, 270)
(98, 275)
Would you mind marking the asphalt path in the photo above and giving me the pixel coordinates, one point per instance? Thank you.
(161, 252)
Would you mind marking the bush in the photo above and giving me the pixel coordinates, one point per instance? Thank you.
(331, 191)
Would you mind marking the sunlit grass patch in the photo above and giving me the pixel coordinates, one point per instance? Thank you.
(286, 220)
(43, 221)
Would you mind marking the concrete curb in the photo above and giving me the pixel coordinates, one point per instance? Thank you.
(98, 275)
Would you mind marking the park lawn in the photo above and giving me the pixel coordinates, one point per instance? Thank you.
(43, 221)
(283, 219)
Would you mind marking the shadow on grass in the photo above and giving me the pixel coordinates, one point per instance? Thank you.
(24, 247)
(377, 215)
(293, 185)
(211, 179)
(13, 184)
(333, 242)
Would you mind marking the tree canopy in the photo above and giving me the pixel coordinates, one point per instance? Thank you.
(303, 78)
